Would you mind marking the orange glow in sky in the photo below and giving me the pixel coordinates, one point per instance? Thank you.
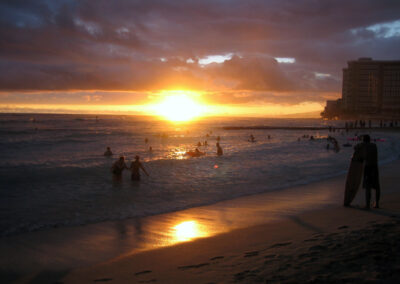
(172, 105)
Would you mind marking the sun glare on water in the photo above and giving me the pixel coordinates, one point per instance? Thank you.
(178, 107)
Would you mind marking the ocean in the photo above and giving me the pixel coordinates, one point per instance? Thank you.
(53, 172)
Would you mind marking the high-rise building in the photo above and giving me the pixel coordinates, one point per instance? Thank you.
(371, 87)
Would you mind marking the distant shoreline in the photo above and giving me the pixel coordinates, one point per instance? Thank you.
(302, 128)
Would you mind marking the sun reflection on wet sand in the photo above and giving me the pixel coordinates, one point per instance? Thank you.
(187, 231)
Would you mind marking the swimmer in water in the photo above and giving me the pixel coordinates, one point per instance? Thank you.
(118, 166)
(108, 152)
(219, 150)
(252, 139)
(135, 169)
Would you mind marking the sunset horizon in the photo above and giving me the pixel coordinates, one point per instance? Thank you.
(199, 141)
(65, 57)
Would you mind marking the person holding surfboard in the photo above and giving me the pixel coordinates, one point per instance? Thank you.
(371, 173)
(364, 161)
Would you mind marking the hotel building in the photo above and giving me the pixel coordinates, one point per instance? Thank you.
(369, 88)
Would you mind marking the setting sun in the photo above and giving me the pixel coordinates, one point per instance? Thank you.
(179, 107)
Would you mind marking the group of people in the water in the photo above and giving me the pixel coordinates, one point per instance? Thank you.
(334, 142)
(119, 166)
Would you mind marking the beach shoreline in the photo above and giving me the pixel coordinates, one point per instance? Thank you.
(51, 251)
(346, 245)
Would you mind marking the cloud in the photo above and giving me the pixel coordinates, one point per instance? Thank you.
(117, 45)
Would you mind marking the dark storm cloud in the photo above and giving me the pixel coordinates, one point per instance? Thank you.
(118, 45)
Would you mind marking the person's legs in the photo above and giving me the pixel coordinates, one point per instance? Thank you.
(377, 196)
(367, 197)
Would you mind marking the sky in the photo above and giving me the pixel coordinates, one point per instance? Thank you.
(254, 58)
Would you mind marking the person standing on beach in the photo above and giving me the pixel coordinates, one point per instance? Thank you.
(135, 169)
(369, 153)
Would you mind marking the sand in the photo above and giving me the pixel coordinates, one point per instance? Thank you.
(335, 245)
(322, 245)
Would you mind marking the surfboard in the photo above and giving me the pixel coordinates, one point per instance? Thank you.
(354, 175)
(194, 154)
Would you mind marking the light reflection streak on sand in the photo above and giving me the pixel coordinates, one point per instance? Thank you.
(208, 221)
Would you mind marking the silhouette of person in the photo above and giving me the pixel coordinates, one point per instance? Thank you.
(252, 139)
(108, 152)
(136, 165)
(118, 166)
(369, 154)
(219, 150)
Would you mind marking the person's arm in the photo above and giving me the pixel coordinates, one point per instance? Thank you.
(144, 170)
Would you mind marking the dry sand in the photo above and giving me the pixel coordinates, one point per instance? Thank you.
(331, 245)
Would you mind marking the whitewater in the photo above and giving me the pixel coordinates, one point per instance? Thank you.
(53, 172)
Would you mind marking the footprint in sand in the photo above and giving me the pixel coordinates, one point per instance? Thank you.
(251, 253)
(217, 257)
(102, 280)
(318, 247)
(193, 266)
(280, 245)
(343, 227)
(311, 240)
(142, 272)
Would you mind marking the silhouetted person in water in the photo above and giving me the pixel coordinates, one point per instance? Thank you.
(136, 165)
(108, 152)
(369, 154)
(118, 166)
(251, 138)
(219, 150)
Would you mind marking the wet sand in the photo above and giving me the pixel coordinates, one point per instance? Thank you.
(301, 234)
